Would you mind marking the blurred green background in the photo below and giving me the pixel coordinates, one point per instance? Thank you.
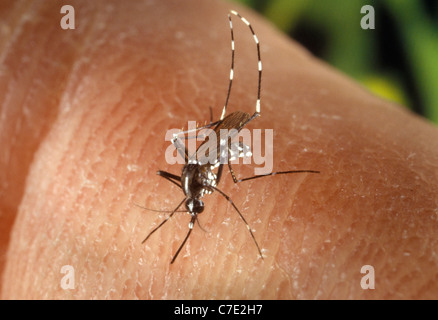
(398, 60)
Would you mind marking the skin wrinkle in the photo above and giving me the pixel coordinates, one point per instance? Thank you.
(277, 254)
(15, 131)
(119, 159)
(322, 266)
(72, 67)
(19, 8)
(275, 251)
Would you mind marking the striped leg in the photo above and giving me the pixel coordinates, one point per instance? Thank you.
(256, 40)
(231, 69)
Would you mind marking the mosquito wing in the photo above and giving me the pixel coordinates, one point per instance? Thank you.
(216, 146)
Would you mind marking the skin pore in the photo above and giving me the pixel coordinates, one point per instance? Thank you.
(84, 114)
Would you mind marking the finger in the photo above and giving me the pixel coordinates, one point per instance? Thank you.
(135, 75)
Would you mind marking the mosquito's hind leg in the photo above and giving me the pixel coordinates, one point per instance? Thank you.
(259, 63)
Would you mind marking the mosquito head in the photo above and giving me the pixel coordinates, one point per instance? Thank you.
(194, 205)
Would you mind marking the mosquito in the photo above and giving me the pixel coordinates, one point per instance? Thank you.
(199, 177)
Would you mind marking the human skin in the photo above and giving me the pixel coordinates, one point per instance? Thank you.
(84, 114)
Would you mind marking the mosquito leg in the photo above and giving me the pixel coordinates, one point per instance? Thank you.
(232, 173)
(256, 40)
(224, 110)
(164, 221)
(176, 140)
(177, 137)
(219, 173)
(156, 210)
(171, 177)
(191, 224)
(268, 174)
(277, 173)
(180, 147)
(198, 136)
(242, 217)
(209, 125)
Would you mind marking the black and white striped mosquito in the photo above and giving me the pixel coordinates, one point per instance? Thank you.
(198, 176)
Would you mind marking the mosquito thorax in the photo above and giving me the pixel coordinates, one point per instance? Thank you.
(197, 180)
(194, 205)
